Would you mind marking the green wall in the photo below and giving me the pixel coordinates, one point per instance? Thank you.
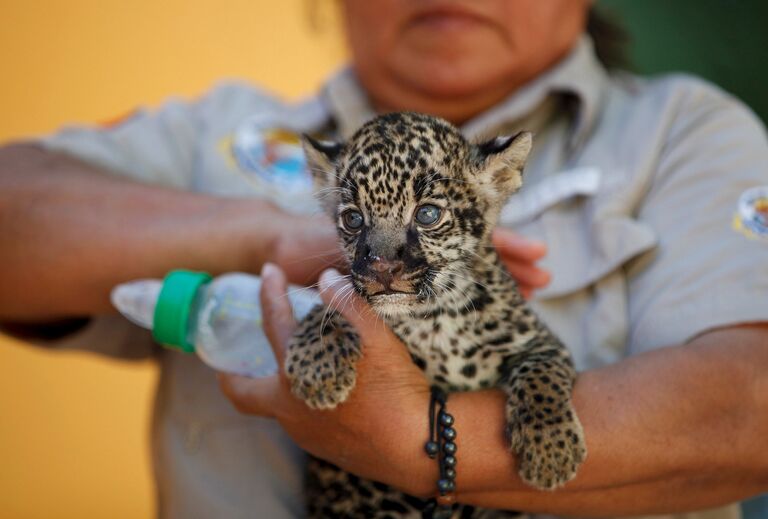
(725, 41)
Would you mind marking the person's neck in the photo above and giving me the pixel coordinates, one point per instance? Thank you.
(456, 109)
(392, 94)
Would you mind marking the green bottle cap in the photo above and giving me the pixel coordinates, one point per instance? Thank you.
(169, 325)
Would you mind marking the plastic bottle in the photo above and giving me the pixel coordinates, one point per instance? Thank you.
(217, 318)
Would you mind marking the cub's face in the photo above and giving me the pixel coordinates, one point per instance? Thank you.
(414, 204)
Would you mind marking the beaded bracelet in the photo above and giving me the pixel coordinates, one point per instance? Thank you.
(442, 445)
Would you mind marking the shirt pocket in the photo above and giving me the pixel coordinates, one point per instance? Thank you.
(585, 220)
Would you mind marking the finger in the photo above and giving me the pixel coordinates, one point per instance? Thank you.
(336, 291)
(277, 314)
(525, 291)
(512, 245)
(252, 396)
(528, 275)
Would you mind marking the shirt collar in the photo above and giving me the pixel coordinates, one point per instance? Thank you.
(347, 102)
(578, 74)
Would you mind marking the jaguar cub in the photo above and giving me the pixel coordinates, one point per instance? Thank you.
(415, 204)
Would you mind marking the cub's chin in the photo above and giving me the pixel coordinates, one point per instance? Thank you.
(391, 304)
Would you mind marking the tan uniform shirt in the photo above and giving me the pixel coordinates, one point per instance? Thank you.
(632, 183)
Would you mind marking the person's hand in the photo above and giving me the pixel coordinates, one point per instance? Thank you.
(520, 255)
(305, 246)
(384, 418)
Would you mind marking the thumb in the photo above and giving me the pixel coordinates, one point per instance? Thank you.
(339, 295)
(277, 315)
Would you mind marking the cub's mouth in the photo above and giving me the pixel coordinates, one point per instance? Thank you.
(383, 286)
(392, 296)
(389, 295)
(389, 286)
(375, 290)
(388, 291)
(393, 303)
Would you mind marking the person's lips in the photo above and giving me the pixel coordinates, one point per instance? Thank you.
(447, 17)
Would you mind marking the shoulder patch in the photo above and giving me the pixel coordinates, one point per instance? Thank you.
(269, 154)
(751, 218)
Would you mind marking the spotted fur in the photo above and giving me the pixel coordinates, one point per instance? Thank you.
(442, 289)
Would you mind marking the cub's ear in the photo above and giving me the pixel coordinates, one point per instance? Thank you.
(500, 162)
(321, 158)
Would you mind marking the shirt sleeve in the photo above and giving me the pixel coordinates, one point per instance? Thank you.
(151, 146)
(110, 335)
(148, 146)
(161, 147)
(704, 274)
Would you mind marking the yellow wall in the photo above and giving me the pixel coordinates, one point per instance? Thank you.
(74, 427)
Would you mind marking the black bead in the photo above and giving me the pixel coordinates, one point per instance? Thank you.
(444, 485)
(450, 461)
(449, 448)
(431, 448)
(446, 419)
(449, 433)
(450, 474)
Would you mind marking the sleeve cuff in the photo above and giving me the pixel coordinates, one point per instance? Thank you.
(110, 335)
(681, 324)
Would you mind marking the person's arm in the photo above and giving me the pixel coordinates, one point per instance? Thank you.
(676, 429)
(679, 428)
(69, 233)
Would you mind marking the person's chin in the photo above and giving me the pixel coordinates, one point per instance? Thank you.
(446, 77)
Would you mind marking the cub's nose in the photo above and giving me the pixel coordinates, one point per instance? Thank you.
(386, 271)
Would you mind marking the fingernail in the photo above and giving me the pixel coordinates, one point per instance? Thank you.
(328, 278)
(268, 270)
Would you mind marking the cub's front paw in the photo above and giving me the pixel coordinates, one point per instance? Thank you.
(322, 384)
(321, 358)
(549, 445)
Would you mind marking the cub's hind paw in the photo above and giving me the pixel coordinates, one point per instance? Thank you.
(549, 449)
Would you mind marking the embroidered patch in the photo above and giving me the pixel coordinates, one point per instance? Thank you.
(751, 218)
(271, 155)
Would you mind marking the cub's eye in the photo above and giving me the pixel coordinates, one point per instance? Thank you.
(428, 214)
(352, 219)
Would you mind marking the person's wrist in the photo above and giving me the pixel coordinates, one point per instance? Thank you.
(251, 231)
(480, 423)
(414, 472)
(286, 246)
(304, 247)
